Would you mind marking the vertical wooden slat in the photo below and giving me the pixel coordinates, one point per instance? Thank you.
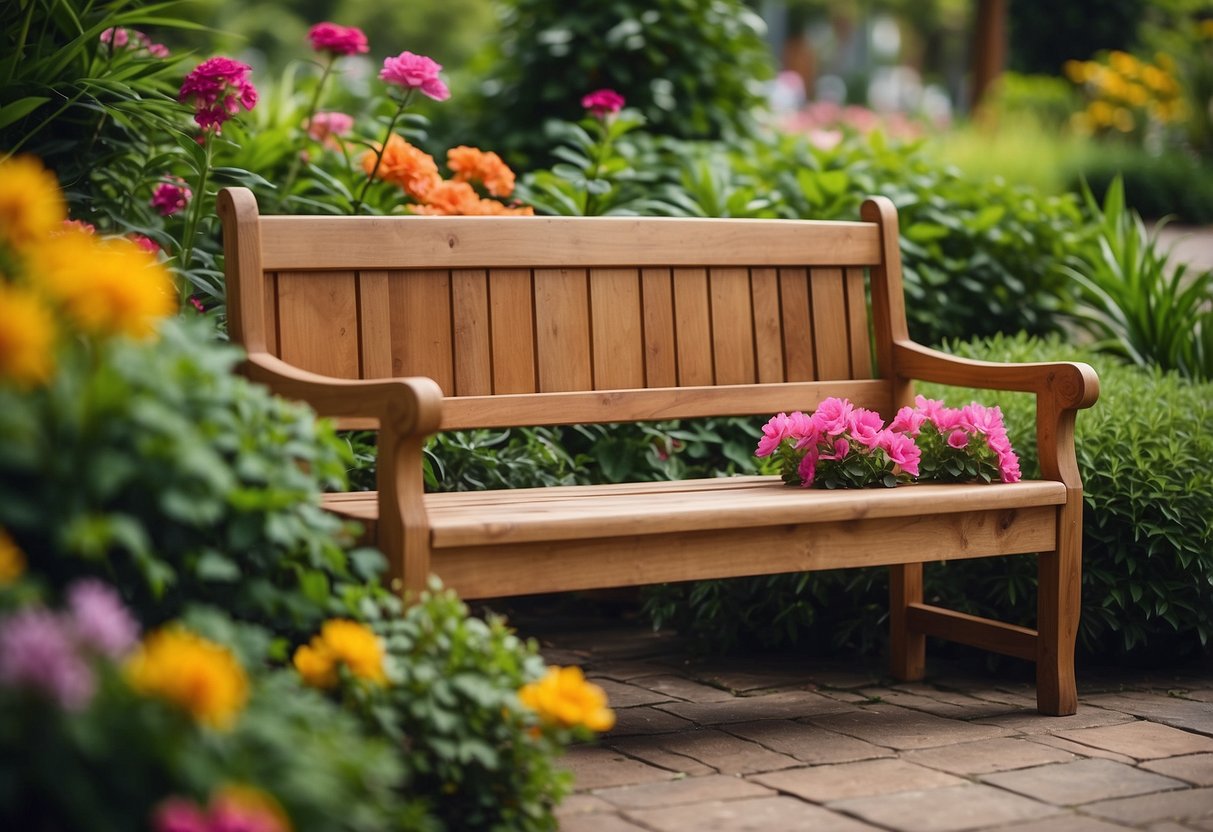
(830, 324)
(797, 324)
(272, 336)
(512, 329)
(732, 326)
(470, 312)
(693, 327)
(562, 330)
(421, 326)
(618, 346)
(660, 354)
(768, 332)
(857, 325)
(318, 322)
(374, 325)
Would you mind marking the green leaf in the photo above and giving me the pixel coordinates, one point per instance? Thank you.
(20, 108)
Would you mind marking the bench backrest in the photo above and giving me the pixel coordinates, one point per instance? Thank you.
(555, 320)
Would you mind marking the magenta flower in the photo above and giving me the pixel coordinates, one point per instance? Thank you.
(908, 420)
(1008, 466)
(144, 242)
(603, 103)
(415, 72)
(833, 416)
(902, 451)
(99, 619)
(326, 127)
(179, 814)
(773, 433)
(171, 197)
(958, 439)
(115, 37)
(865, 426)
(38, 653)
(807, 469)
(337, 40)
(219, 87)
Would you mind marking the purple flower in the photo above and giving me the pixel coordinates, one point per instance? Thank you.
(99, 619)
(415, 72)
(602, 103)
(219, 88)
(338, 40)
(38, 653)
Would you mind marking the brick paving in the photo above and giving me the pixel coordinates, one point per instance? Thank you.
(776, 743)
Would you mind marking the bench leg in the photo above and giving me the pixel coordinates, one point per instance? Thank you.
(1058, 607)
(907, 649)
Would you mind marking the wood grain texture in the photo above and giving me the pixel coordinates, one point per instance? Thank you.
(421, 326)
(660, 351)
(768, 327)
(318, 322)
(831, 342)
(562, 330)
(995, 636)
(249, 297)
(512, 329)
(375, 325)
(858, 330)
(797, 324)
(732, 326)
(617, 329)
(693, 327)
(471, 337)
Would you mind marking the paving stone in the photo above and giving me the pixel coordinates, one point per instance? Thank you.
(823, 784)
(646, 720)
(581, 804)
(623, 695)
(680, 792)
(1034, 722)
(764, 814)
(725, 753)
(596, 768)
(1205, 695)
(918, 702)
(1079, 749)
(598, 823)
(1185, 714)
(1168, 826)
(1195, 768)
(1181, 806)
(648, 749)
(987, 756)
(628, 670)
(902, 728)
(1025, 701)
(844, 677)
(681, 688)
(807, 743)
(849, 696)
(1069, 822)
(785, 705)
(1141, 740)
(1201, 824)
(951, 809)
(744, 675)
(1081, 781)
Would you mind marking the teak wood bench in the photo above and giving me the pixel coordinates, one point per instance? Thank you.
(419, 324)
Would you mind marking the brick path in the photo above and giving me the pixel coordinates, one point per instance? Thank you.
(775, 744)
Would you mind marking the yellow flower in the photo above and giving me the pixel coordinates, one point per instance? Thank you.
(1124, 63)
(107, 287)
(564, 697)
(196, 675)
(1076, 71)
(27, 337)
(1136, 95)
(12, 560)
(341, 642)
(1123, 120)
(31, 206)
(1100, 113)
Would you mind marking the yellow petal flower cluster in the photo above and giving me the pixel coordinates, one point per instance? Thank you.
(200, 677)
(563, 697)
(12, 560)
(341, 642)
(31, 206)
(27, 337)
(1126, 93)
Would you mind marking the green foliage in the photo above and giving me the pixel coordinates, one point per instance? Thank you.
(692, 69)
(1155, 186)
(155, 467)
(1138, 303)
(478, 460)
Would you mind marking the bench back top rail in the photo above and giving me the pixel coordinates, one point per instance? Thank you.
(557, 320)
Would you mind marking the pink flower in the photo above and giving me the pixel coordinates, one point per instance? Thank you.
(197, 304)
(146, 243)
(958, 439)
(171, 197)
(38, 653)
(179, 814)
(337, 40)
(908, 420)
(219, 87)
(79, 225)
(944, 418)
(99, 619)
(119, 38)
(157, 50)
(832, 416)
(841, 448)
(1008, 466)
(773, 434)
(865, 426)
(807, 469)
(415, 72)
(902, 451)
(326, 127)
(602, 103)
(986, 420)
(115, 37)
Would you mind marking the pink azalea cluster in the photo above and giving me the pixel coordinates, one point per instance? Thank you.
(603, 103)
(338, 40)
(171, 197)
(231, 812)
(415, 72)
(116, 37)
(951, 436)
(849, 445)
(48, 653)
(219, 87)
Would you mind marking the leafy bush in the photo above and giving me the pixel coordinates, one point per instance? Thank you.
(693, 70)
(1156, 186)
(1147, 536)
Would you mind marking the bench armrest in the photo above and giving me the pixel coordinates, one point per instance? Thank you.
(1061, 388)
(412, 406)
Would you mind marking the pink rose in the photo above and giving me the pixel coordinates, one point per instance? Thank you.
(602, 103)
(337, 40)
(415, 72)
(219, 87)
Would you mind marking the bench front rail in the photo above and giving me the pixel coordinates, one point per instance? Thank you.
(413, 325)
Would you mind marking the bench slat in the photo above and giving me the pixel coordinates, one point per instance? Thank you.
(660, 355)
(473, 351)
(616, 329)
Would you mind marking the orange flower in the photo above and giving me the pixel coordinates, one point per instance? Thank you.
(564, 697)
(471, 164)
(412, 169)
(449, 198)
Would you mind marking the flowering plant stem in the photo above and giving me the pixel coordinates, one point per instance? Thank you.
(370, 177)
(285, 191)
(600, 153)
(196, 207)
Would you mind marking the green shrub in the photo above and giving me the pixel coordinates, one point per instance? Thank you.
(1156, 186)
(1147, 537)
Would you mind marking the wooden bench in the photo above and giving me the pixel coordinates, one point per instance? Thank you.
(420, 324)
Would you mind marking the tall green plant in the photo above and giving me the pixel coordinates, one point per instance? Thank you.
(1135, 301)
